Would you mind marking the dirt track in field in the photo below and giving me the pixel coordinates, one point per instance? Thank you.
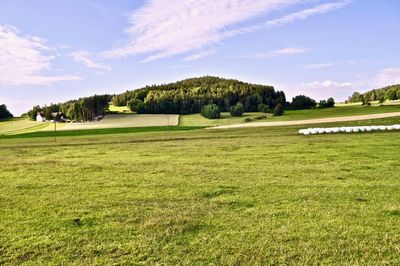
(311, 121)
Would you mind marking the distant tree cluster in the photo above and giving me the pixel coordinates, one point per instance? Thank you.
(191, 95)
(389, 93)
(4, 113)
(83, 109)
(327, 103)
(302, 102)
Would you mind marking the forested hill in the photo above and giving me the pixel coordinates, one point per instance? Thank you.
(389, 93)
(190, 95)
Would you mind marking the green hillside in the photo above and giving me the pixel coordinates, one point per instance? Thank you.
(389, 93)
(190, 95)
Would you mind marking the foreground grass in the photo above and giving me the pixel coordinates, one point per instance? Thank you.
(247, 196)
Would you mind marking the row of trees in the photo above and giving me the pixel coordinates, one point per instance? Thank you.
(212, 111)
(4, 113)
(389, 93)
(303, 102)
(83, 109)
(190, 95)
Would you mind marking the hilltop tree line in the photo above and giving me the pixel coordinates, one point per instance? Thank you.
(190, 95)
(83, 109)
(388, 93)
(4, 113)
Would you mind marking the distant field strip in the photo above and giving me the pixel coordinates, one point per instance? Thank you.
(312, 121)
(124, 120)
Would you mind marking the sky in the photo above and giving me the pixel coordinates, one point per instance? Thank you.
(53, 51)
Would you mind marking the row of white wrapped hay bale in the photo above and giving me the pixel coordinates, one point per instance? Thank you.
(329, 130)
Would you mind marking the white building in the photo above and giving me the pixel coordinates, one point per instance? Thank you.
(40, 118)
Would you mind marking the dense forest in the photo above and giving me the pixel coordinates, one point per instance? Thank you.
(4, 113)
(83, 109)
(389, 93)
(190, 95)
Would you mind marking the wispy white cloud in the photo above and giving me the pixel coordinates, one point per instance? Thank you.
(304, 14)
(199, 55)
(164, 28)
(342, 90)
(85, 58)
(281, 52)
(330, 64)
(24, 59)
(318, 66)
(388, 76)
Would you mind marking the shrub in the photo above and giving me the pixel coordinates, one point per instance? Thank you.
(302, 102)
(4, 113)
(252, 102)
(330, 102)
(260, 117)
(132, 104)
(211, 111)
(248, 119)
(237, 110)
(141, 108)
(264, 108)
(278, 111)
(327, 104)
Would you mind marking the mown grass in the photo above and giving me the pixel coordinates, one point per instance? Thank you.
(100, 131)
(226, 119)
(246, 196)
(19, 125)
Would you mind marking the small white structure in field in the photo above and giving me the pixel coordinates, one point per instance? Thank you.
(40, 118)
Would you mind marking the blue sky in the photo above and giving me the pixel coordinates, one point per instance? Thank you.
(52, 51)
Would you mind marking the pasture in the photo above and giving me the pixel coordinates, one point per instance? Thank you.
(244, 196)
(19, 126)
(290, 115)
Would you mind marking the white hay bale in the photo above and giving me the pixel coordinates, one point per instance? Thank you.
(396, 127)
(356, 129)
(328, 130)
(368, 129)
(343, 129)
(335, 130)
(382, 128)
(349, 129)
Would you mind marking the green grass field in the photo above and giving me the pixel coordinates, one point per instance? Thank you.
(119, 109)
(226, 119)
(20, 125)
(246, 196)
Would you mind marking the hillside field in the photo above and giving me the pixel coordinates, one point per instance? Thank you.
(290, 115)
(245, 196)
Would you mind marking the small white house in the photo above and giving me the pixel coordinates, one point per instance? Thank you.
(40, 118)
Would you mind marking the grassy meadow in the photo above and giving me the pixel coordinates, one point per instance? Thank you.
(245, 196)
(290, 115)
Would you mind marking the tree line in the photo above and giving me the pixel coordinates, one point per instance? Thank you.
(84, 109)
(190, 95)
(388, 93)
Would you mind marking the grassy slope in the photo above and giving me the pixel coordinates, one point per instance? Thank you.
(197, 119)
(248, 196)
(19, 125)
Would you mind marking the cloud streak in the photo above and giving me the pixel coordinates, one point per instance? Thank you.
(84, 57)
(281, 52)
(24, 59)
(163, 28)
